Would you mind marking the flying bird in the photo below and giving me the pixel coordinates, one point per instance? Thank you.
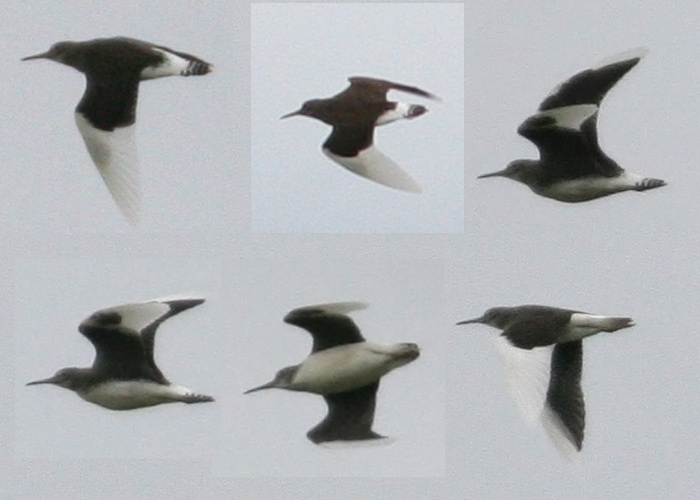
(124, 374)
(106, 114)
(343, 368)
(353, 114)
(572, 166)
(528, 327)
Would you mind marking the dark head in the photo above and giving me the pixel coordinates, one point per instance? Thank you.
(60, 52)
(68, 378)
(524, 171)
(283, 380)
(497, 317)
(309, 108)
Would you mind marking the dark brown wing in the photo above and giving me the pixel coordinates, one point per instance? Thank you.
(379, 88)
(349, 141)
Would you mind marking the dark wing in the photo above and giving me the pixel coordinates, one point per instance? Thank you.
(110, 102)
(328, 324)
(537, 326)
(591, 85)
(148, 332)
(112, 69)
(205, 66)
(124, 335)
(564, 395)
(118, 350)
(379, 88)
(350, 416)
(568, 141)
(349, 141)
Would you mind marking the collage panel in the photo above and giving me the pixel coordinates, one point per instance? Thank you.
(358, 176)
(124, 122)
(339, 371)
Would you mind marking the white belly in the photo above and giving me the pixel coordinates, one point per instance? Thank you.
(589, 188)
(131, 394)
(348, 367)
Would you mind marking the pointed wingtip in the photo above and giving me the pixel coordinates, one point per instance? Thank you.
(627, 55)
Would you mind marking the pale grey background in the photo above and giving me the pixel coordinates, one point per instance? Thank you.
(631, 254)
(307, 51)
(232, 342)
(195, 177)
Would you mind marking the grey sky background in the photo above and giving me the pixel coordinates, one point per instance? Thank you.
(194, 176)
(295, 187)
(630, 254)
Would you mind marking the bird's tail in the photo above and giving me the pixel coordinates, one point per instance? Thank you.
(613, 324)
(649, 183)
(196, 398)
(197, 67)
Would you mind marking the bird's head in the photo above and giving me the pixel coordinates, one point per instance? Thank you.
(517, 170)
(66, 378)
(283, 380)
(497, 317)
(60, 52)
(309, 108)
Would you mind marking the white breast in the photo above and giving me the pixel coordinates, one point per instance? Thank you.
(589, 188)
(131, 394)
(347, 367)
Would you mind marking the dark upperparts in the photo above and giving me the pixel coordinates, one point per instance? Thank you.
(328, 329)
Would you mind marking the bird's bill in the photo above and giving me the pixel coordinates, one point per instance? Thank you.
(500, 173)
(480, 319)
(293, 113)
(269, 385)
(43, 55)
(50, 380)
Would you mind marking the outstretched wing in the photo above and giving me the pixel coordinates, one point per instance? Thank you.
(124, 335)
(328, 323)
(378, 88)
(350, 416)
(565, 412)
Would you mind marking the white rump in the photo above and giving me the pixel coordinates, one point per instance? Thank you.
(399, 112)
(172, 66)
